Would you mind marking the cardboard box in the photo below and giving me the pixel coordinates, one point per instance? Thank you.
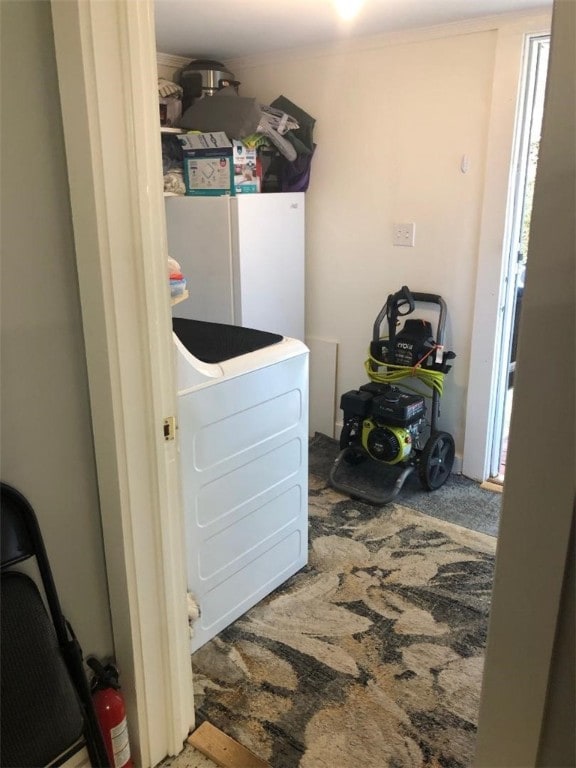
(208, 168)
(247, 169)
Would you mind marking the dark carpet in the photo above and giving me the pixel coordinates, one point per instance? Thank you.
(461, 501)
(372, 655)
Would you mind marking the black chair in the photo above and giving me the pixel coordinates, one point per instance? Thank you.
(46, 710)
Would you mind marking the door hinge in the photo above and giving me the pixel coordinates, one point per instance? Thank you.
(170, 428)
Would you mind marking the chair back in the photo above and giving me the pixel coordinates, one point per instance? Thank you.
(46, 711)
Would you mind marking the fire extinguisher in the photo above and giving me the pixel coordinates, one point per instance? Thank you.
(111, 713)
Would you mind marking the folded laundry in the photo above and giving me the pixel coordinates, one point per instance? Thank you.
(266, 128)
(167, 88)
(286, 171)
(174, 182)
(282, 126)
(301, 137)
(173, 266)
(279, 120)
(177, 287)
(176, 278)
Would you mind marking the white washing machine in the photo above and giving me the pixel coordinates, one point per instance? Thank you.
(243, 428)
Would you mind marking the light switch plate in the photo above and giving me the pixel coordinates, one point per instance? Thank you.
(404, 234)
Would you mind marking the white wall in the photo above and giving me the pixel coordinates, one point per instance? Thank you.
(527, 711)
(394, 120)
(46, 437)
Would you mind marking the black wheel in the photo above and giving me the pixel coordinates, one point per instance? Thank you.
(436, 460)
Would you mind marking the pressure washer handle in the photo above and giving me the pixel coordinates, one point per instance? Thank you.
(391, 311)
(379, 320)
(397, 305)
(434, 298)
(402, 297)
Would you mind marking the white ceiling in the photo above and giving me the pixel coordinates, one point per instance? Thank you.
(226, 29)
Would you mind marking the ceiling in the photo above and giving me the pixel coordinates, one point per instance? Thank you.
(226, 29)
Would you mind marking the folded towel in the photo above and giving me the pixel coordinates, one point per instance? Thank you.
(177, 287)
(174, 182)
(167, 88)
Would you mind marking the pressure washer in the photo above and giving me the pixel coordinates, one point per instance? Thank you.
(386, 422)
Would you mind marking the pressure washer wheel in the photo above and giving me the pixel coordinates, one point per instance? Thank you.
(436, 460)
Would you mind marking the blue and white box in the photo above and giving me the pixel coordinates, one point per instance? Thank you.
(208, 164)
(246, 169)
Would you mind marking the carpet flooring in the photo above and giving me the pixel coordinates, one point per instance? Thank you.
(460, 500)
(371, 655)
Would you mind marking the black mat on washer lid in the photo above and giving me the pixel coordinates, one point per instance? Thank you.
(216, 342)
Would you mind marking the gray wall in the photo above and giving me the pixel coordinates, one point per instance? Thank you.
(46, 438)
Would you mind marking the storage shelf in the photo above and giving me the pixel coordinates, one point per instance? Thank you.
(177, 299)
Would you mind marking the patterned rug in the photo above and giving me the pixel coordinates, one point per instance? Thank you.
(370, 657)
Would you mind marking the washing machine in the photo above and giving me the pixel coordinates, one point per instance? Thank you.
(243, 435)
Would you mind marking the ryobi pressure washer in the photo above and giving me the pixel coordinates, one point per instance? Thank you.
(388, 425)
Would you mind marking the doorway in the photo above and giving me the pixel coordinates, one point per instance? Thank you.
(527, 141)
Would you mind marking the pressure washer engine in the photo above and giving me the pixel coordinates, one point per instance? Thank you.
(385, 423)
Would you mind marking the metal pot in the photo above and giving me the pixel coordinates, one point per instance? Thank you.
(203, 77)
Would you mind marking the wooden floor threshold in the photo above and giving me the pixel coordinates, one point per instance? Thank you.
(494, 484)
(223, 750)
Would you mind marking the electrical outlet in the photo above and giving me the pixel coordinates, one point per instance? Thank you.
(404, 234)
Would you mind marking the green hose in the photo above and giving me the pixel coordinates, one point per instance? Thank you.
(434, 380)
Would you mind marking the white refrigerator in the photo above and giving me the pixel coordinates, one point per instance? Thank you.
(243, 259)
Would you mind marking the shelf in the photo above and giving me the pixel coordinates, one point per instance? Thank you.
(177, 299)
(167, 129)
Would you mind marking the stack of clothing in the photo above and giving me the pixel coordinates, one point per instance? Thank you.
(282, 132)
(172, 165)
(177, 279)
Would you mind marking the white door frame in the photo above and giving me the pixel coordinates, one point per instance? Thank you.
(494, 234)
(531, 67)
(105, 54)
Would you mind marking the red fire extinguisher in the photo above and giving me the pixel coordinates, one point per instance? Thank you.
(111, 713)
